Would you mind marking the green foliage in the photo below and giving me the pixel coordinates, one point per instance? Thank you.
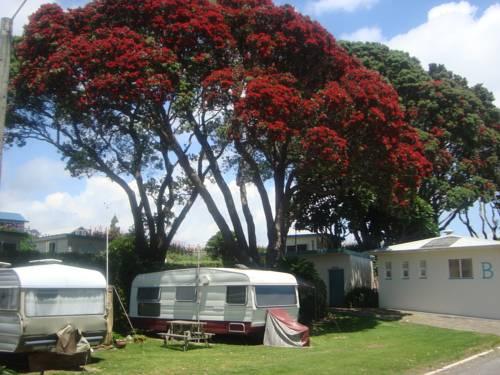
(5, 371)
(183, 259)
(215, 246)
(458, 126)
(27, 244)
(312, 289)
(362, 297)
(217, 249)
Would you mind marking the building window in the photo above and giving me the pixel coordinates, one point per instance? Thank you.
(423, 269)
(405, 270)
(52, 248)
(460, 268)
(185, 293)
(388, 270)
(236, 295)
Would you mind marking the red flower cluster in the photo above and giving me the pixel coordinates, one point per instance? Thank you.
(288, 89)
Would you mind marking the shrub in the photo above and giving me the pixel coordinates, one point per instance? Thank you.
(312, 289)
(362, 297)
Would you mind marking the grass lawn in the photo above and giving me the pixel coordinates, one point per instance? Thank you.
(362, 346)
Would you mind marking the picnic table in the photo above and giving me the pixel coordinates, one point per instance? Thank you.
(186, 331)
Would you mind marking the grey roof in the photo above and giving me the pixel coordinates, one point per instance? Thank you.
(12, 216)
(449, 241)
(335, 251)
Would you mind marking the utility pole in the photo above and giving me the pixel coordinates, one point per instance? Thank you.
(5, 46)
(5, 43)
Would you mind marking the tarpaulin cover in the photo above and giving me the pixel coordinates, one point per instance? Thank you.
(283, 330)
(71, 341)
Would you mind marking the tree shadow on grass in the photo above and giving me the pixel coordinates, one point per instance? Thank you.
(20, 363)
(378, 313)
(179, 346)
(17, 362)
(343, 323)
(250, 340)
(354, 320)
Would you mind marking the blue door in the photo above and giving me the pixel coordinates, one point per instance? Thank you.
(336, 277)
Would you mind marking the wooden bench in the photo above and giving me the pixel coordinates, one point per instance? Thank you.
(186, 336)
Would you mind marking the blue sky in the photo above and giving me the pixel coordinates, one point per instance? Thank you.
(463, 35)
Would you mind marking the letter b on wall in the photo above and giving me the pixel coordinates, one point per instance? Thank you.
(487, 268)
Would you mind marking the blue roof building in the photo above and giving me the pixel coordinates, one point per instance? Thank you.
(12, 231)
(12, 217)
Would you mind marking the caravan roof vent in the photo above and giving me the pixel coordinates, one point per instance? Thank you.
(5, 265)
(45, 261)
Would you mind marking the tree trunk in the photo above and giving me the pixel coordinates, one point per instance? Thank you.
(221, 183)
(266, 205)
(279, 220)
(252, 238)
(241, 256)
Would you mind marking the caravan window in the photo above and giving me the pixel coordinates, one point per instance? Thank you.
(275, 295)
(236, 295)
(9, 298)
(56, 302)
(150, 293)
(185, 293)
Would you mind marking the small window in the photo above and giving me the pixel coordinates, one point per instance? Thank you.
(9, 298)
(423, 269)
(405, 270)
(460, 268)
(466, 268)
(185, 293)
(148, 294)
(388, 270)
(236, 295)
(301, 248)
(148, 309)
(275, 295)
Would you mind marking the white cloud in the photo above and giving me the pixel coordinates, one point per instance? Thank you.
(36, 176)
(365, 34)
(319, 7)
(9, 7)
(458, 37)
(199, 225)
(97, 199)
(59, 211)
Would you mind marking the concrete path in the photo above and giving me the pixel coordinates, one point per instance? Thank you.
(485, 365)
(461, 323)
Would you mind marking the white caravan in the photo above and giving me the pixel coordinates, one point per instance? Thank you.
(37, 301)
(228, 300)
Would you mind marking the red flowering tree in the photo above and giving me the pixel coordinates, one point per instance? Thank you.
(459, 127)
(259, 83)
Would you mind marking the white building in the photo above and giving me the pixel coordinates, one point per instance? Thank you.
(341, 270)
(449, 274)
(301, 242)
